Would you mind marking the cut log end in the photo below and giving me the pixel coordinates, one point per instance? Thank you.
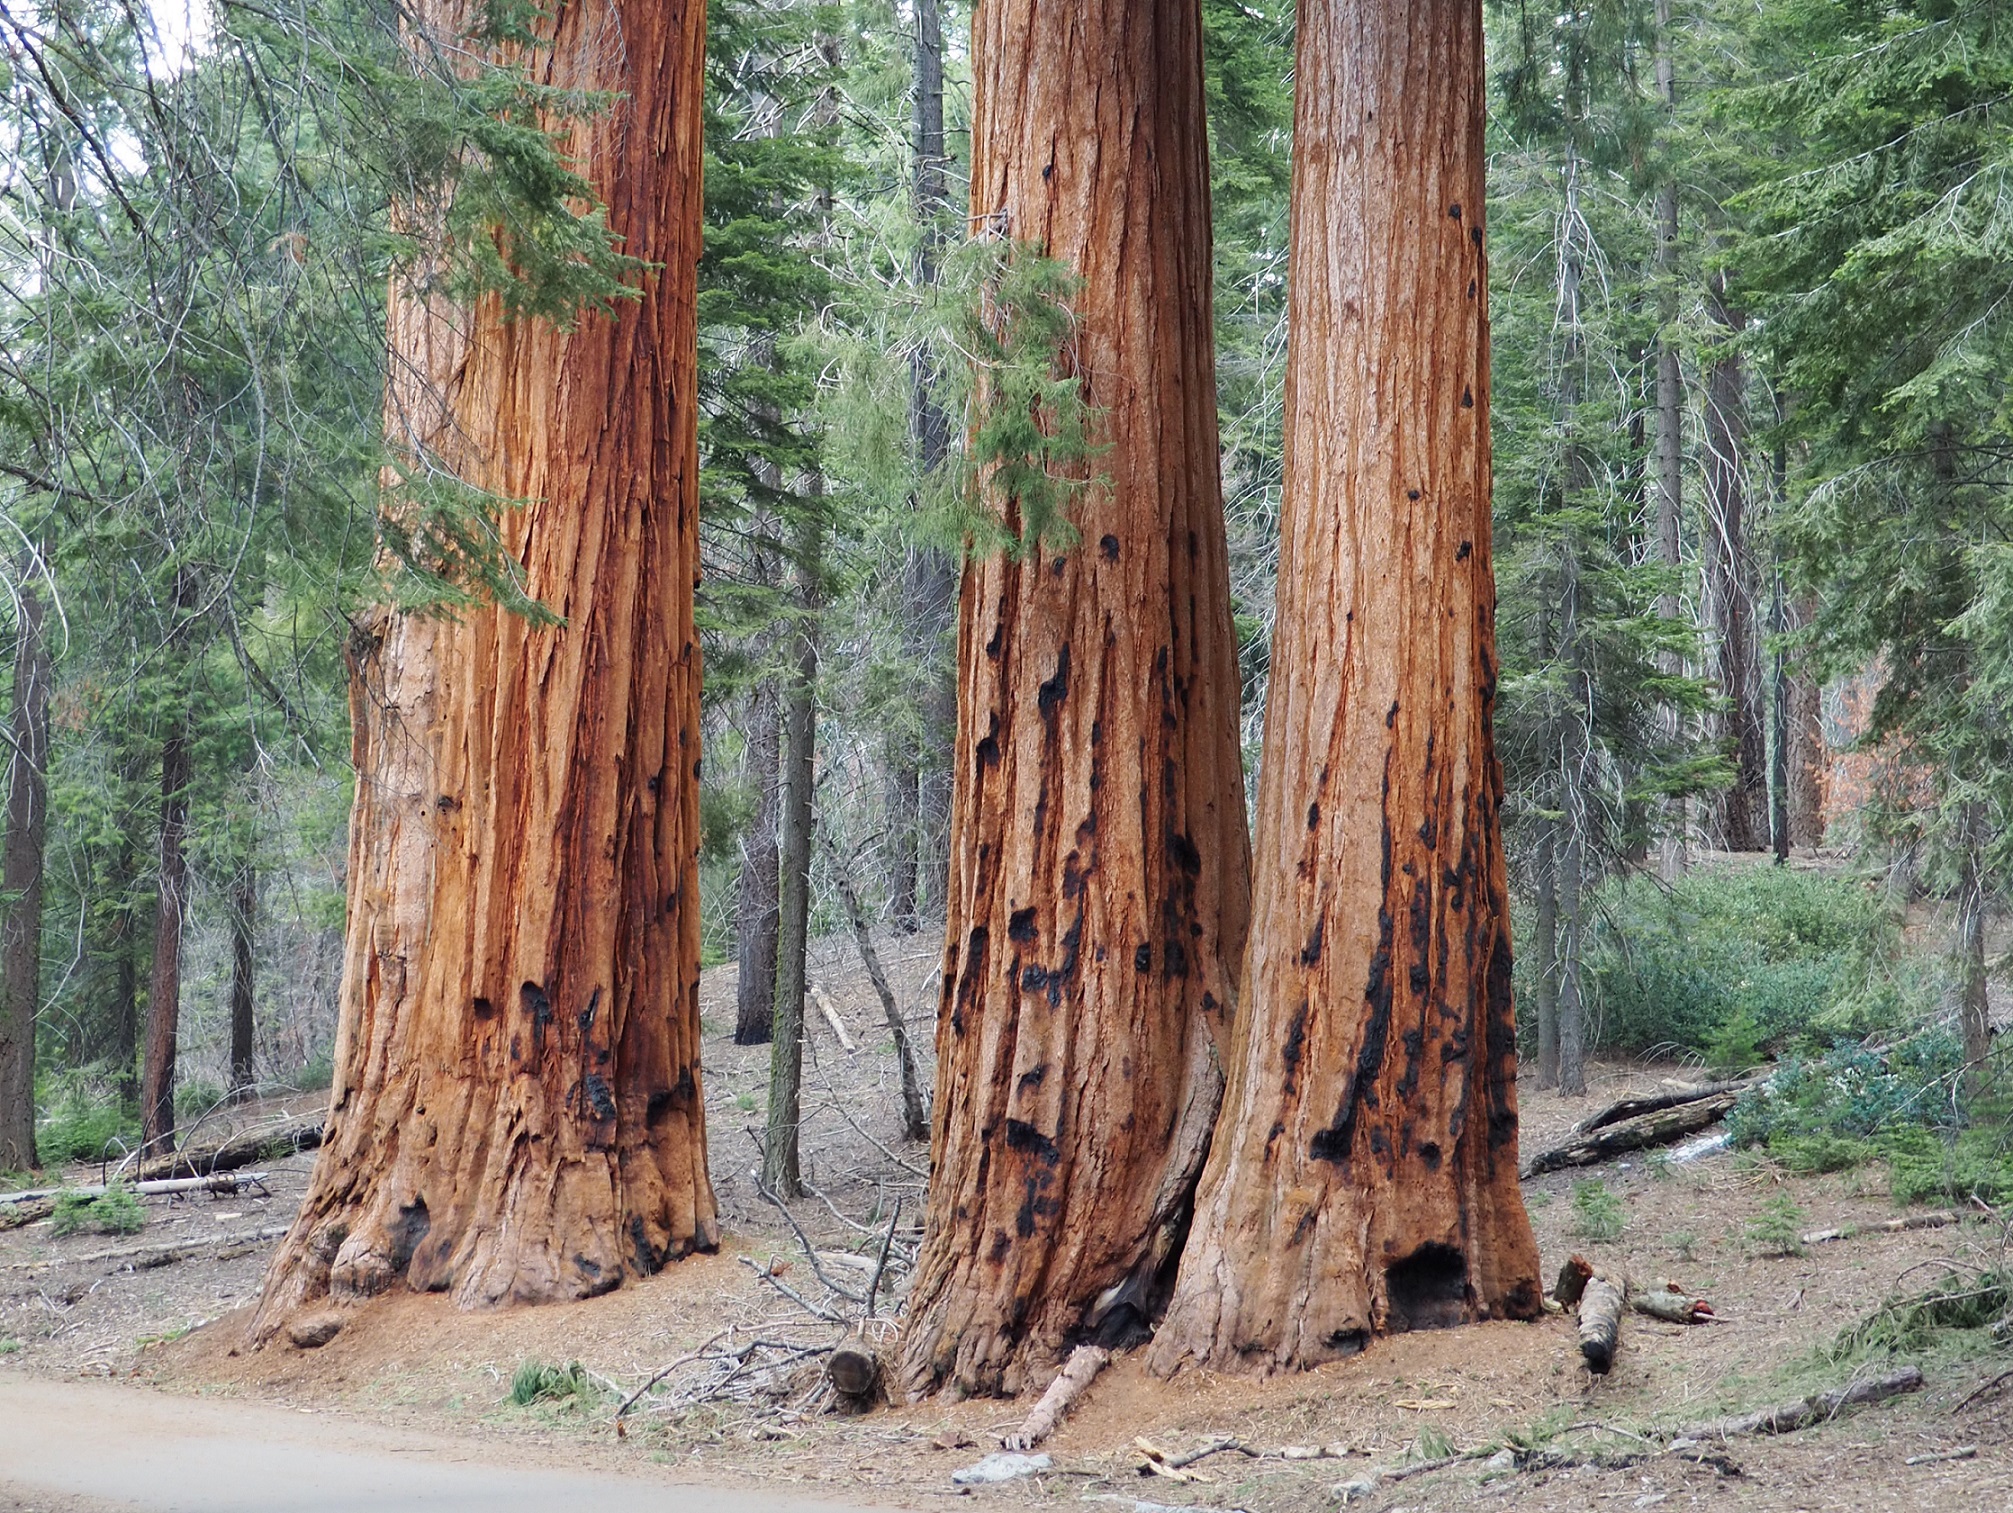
(856, 1375)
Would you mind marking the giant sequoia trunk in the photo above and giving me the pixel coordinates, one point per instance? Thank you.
(21, 875)
(1364, 1172)
(517, 1112)
(1099, 890)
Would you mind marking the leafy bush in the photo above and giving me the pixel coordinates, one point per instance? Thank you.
(1901, 1103)
(81, 1117)
(113, 1212)
(536, 1382)
(1732, 963)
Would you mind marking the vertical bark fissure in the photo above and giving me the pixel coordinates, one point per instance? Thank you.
(1363, 1177)
(1099, 889)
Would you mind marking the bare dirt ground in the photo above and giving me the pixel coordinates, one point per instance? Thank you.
(410, 1363)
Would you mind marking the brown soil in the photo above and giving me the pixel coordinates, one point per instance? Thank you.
(414, 1361)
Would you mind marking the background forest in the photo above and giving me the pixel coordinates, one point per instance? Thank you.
(1754, 480)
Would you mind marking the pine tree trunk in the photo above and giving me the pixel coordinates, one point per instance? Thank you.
(1740, 814)
(1545, 884)
(756, 914)
(1364, 1174)
(1974, 1014)
(517, 1112)
(781, 1160)
(125, 989)
(1673, 857)
(244, 923)
(1808, 755)
(164, 987)
(21, 876)
(1099, 888)
(919, 792)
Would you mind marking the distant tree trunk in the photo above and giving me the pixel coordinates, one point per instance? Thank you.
(517, 1112)
(781, 1159)
(21, 876)
(1100, 886)
(244, 922)
(756, 915)
(122, 947)
(1673, 857)
(1740, 813)
(919, 792)
(164, 987)
(1545, 884)
(1974, 1010)
(1363, 1178)
(1807, 754)
(1574, 748)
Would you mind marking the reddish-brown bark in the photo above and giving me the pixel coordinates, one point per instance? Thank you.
(517, 1112)
(1099, 884)
(1364, 1172)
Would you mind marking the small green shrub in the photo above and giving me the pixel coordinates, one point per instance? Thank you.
(9, 1345)
(319, 1073)
(1597, 1213)
(1777, 1230)
(113, 1212)
(1911, 1324)
(81, 1117)
(1683, 1244)
(536, 1382)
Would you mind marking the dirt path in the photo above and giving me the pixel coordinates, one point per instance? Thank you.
(83, 1447)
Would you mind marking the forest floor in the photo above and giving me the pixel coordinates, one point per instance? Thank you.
(73, 1306)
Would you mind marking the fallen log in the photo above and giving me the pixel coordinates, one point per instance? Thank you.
(247, 1148)
(1787, 1418)
(1669, 1302)
(226, 1185)
(1888, 1227)
(1084, 1363)
(1601, 1308)
(1640, 1133)
(1652, 1103)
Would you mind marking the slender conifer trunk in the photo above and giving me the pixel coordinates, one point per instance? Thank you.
(21, 876)
(164, 987)
(1363, 1178)
(1099, 882)
(244, 912)
(517, 1112)
(1741, 812)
